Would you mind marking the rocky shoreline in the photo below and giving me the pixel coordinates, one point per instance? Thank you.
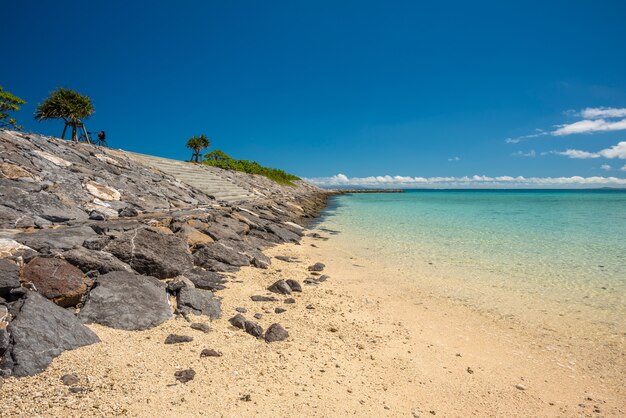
(89, 236)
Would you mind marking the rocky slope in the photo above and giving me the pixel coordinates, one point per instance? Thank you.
(87, 235)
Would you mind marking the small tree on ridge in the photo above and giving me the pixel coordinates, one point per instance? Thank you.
(9, 103)
(68, 105)
(197, 144)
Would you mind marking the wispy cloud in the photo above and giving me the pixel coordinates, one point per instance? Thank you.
(623, 168)
(454, 159)
(588, 126)
(594, 119)
(606, 167)
(476, 181)
(616, 151)
(603, 112)
(530, 154)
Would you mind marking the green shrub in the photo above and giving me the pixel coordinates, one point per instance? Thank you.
(220, 159)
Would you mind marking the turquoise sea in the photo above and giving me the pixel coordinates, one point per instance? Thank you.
(550, 256)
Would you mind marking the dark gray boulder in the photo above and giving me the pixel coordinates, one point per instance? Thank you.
(204, 279)
(40, 332)
(48, 241)
(127, 212)
(100, 261)
(238, 321)
(284, 234)
(9, 277)
(44, 205)
(221, 252)
(209, 352)
(177, 339)
(253, 329)
(260, 298)
(151, 253)
(317, 267)
(199, 302)
(276, 332)
(184, 376)
(294, 285)
(126, 301)
(280, 287)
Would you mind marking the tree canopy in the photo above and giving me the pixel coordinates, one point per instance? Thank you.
(197, 144)
(66, 104)
(9, 103)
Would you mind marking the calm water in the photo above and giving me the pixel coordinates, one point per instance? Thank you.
(543, 254)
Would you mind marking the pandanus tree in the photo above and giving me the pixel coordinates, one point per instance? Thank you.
(68, 105)
(197, 144)
(9, 103)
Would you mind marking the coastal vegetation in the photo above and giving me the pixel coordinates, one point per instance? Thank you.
(197, 144)
(222, 160)
(69, 105)
(9, 103)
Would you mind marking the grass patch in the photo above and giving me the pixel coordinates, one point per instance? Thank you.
(220, 159)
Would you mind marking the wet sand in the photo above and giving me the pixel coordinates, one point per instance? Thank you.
(367, 342)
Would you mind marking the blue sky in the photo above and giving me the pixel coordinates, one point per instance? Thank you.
(413, 89)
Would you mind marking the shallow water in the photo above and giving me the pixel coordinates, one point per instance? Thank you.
(557, 258)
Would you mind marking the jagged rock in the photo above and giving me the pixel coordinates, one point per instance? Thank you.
(126, 301)
(241, 310)
(280, 287)
(203, 279)
(177, 339)
(48, 241)
(95, 215)
(280, 310)
(258, 315)
(284, 234)
(260, 263)
(151, 253)
(102, 191)
(294, 285)
(44, 205)
(317, 267)
(41, 331)
(218, 233)
(253, 329)
(209, 352)
(290, 301)
(9, 277)
(199, 326)
(193, 237)
(184, 376)
(12, 248)
(97, 243)
(57, 280)
(199, 302)
(238, 321)
(276, 332)
(216, 266)
(127, 212)
(176, 284)
(100, 261)
(221, 253)
(259, 298)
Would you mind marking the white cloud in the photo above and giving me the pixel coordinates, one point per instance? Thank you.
(589, 126)
(603, 112)
(530, 153)
(616, 151)
(476, 181)
(623, 168)
(594, 119)
(454, 159)
(605, 167)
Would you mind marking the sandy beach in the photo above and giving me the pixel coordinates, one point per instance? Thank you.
(366, 342)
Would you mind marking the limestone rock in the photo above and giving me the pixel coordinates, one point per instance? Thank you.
(280, 287)
(221, 253)
(56, 240)
(199, 302)
(102, 191)
(40, 332)
(151, 253)
(276, 332)
(9, 277)
(126, 301)
(100, 261)
(56, 279)
(203, 279)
